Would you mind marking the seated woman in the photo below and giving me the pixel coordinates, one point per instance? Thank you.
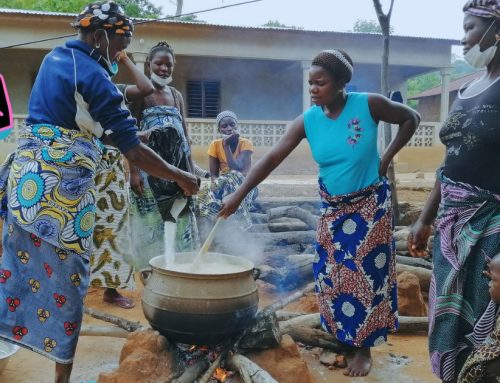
(483, 364)
(230, 159)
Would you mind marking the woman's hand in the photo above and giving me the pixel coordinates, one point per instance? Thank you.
(136, 183)
(233, 138)
(418, 239)
(189, 184)
(383, 166)
(229, 205)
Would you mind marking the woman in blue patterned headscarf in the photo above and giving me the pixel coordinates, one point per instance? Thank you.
(467, 193)
(48, 185)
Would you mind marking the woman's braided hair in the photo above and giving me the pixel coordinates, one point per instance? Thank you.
(161, 46)
(336, 62)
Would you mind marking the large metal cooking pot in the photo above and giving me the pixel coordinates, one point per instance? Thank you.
(195, 308)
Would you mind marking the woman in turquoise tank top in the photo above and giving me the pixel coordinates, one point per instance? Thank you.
(355, 264)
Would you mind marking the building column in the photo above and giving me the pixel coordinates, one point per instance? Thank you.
(445, 92)
(306, 98)
(140, 60)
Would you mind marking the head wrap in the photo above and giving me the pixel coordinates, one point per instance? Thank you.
(483, 8)
(224, 114)
(335, 61)
(104, 15)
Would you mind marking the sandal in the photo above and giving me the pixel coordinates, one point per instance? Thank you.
(120, 301)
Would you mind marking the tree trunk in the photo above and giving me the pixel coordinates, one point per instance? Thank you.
(180, 4)
(385, 24)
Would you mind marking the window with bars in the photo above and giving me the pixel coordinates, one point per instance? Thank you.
(203, 98)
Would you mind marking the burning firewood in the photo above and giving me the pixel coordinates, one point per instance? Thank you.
(192, 371)
(264, 333)
(248, 370)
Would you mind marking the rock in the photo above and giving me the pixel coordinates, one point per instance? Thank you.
(328, 358)
(284, 363)
(340, 361)
(410, 299)
(144, 358)
(420, 175)
(401, 235)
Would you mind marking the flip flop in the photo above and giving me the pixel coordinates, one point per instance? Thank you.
(120, 301)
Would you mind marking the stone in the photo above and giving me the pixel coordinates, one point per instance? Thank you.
(284, 363)
(144, 358)
(410, 299)
(410, 216)
(328, 358)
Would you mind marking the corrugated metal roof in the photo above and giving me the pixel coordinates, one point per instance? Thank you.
(454, 85)
(61, 14)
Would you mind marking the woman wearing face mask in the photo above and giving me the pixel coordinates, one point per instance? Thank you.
(156, 200)
(230, 159)
(355, 267)
(48, 185)
(467, 192)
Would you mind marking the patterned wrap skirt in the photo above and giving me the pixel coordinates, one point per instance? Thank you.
(461, 314)
(48, 201)
(111, 261)
(355, 266)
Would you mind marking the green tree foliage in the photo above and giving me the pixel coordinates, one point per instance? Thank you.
(277, 24)
(133, 8)
(431, 80)
(369, 26)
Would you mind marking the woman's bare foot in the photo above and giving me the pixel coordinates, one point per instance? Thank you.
(114, 297)
(360, 364)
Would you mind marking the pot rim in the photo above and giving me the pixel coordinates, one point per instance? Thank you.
(247, 266)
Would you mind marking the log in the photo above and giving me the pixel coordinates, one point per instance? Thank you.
(271, 240)
(259, 228)
(285, 301)
(412, 261)
(407, 324)
(111, 331)
(258, 217)
(288, 226)
(313, 337)
(413, 324)
(117, 321)
(249, 370)
(286, 315)
(294, 212)
(308, 320)
(262, 334)
(423, 275)
(192, 372)
(211, 369)
(296, 270)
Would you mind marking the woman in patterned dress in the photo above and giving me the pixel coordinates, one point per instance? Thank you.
(155, 200)
(467, 193)
(230, 159)
(50, 190)
(112, 260)
(355, 264)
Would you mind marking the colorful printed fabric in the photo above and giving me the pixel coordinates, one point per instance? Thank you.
(42, 288)
(355, 266)
(50, 187)
(168, 140)
(467, 237)
(111, 263)
(474, 370)
(209, 198)
(483, 8)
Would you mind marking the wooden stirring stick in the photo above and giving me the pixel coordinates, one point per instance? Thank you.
(208, 242)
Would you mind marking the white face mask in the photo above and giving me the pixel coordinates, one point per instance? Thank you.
(478, 59)
(112, 66)
(160, 80)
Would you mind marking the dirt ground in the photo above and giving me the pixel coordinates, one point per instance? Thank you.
(403, 359)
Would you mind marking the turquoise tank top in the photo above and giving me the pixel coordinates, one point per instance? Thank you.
(345, 149)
